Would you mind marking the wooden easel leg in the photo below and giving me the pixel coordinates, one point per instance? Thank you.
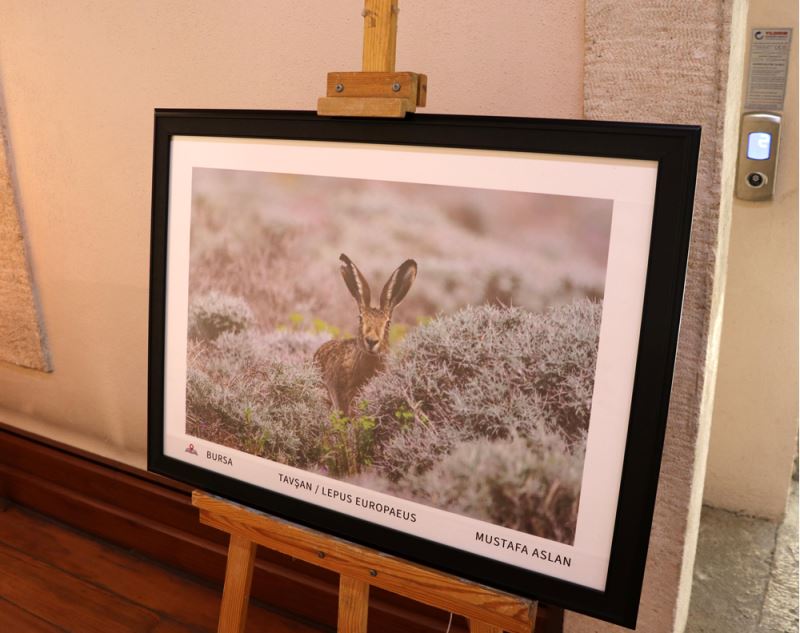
(238, 578)
(476, 626)
(353, 605)
(490, 611)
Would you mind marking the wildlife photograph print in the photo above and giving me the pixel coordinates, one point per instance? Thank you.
(433, 343)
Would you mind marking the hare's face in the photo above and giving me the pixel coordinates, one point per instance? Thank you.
(373, 334)
(374, 330)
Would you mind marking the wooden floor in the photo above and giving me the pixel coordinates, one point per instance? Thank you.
(54, 579)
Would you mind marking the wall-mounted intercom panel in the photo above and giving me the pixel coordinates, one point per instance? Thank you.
(758, 156)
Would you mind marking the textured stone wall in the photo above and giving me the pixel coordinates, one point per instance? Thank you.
(668, 61)
(21, 331)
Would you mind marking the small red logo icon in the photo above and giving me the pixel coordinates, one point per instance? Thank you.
(190, 449)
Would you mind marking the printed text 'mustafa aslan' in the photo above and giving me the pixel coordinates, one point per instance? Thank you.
(516, 546)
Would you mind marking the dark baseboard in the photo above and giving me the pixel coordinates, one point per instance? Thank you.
(154, 516)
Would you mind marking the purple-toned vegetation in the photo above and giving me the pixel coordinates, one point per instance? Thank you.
(530, 484)
(215, 313)
(484, 403)
(243, 396)
(484, 372)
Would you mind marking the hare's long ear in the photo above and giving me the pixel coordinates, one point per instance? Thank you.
(355, 281)
(398, 285)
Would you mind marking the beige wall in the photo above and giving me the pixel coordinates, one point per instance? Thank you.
(754, 428)
(81, 80)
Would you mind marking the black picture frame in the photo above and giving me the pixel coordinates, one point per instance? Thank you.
(675, 150)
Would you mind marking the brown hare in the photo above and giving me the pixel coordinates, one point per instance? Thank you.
(348, 364)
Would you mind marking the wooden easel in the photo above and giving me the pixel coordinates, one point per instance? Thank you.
(359, 568)
(376, 91)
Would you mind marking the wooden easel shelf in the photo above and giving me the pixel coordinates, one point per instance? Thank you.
(376, 91)
(488, 610)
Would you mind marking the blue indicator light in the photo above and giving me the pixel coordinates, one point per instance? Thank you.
(758, 144)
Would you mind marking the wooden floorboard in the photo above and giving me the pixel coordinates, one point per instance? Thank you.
(56, 579)
(12, 618)
(152, 515)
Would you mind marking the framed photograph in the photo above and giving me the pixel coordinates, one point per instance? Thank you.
(448, 338)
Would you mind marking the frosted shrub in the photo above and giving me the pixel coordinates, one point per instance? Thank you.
(214, 313)
(271, 405)
(531, 486)
(250, 239)
(484, 372)
(253, 346)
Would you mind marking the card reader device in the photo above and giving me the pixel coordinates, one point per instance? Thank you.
(758, 156)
